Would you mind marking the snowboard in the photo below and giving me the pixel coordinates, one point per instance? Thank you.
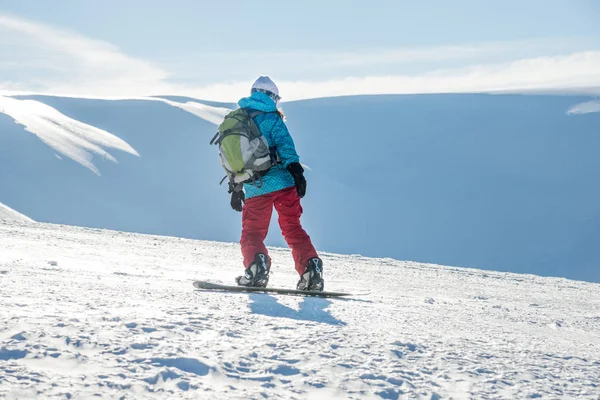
(231, 288)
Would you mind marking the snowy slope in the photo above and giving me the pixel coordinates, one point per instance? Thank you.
(89, 312)
(67, 136)
(7, 213)
(503, 182)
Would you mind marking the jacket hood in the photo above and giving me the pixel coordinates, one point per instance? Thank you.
(258, 101)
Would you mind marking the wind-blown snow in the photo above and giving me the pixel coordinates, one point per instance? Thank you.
(211, 114)
(88, 312)
(78, 140)
(7, 213)
(585, 108)
(72, 138)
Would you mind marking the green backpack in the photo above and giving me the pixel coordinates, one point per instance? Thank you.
(243, 150)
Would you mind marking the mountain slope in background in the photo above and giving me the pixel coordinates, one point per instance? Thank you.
(503, 182)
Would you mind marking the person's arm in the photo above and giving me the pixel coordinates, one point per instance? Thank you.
(287, 153)
(284, 143)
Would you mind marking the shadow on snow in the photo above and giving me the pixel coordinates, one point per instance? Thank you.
(311, 309)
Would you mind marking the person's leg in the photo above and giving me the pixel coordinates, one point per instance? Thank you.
(256, 216)
(287, 204)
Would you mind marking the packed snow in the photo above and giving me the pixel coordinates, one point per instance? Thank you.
(90, 312)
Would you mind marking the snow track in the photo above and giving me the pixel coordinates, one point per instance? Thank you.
(89, 312)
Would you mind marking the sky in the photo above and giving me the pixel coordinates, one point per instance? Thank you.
(214, 50)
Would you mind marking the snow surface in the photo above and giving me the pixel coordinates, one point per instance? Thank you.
(68, 136)
(90, 312)
(7, 213)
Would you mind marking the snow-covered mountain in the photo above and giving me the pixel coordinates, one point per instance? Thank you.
(94, 313)
(503, 182)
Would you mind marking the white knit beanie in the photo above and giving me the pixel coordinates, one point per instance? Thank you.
(265, 84)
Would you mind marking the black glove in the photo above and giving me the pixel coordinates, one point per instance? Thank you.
(237, 200)
(298, 174)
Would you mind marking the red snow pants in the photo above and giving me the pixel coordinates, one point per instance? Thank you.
(256, 217)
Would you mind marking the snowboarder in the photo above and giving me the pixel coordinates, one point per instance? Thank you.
(282, 187)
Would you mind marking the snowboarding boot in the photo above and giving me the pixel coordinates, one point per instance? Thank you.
(257, 273)
(312, 278)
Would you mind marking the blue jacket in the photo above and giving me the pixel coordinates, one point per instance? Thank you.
(273, 128)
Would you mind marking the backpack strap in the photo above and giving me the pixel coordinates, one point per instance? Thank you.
(214, 139)
(252, 113)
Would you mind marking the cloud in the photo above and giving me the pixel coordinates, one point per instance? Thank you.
(36, 58)
(569, 72)
(578, 72)
(49, 59)
(378, 60)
